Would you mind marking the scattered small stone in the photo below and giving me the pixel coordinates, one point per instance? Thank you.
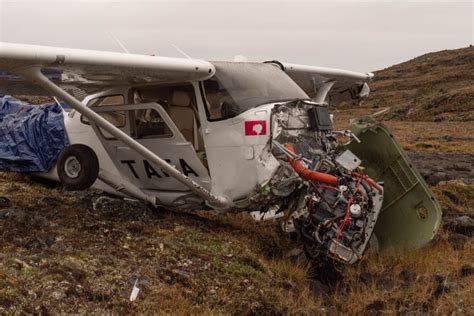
(182, 276)
(460, 224)
(12, 213)
(438, 278)
(40, 243)
(458, 241)
(385, 282)
(51, 201)
(461, 166)
(436, 178)
(366, 278)
(4, 202)
(22, 264)
(120, 208)
(377, 305)
(295, 252)
(319, 289)
(408, 276)
(179, 228)
(288, 284)
(57, 295)
(448, 138)
(467, 270)
(445, 287)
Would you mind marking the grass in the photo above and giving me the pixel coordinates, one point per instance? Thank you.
(209, 263)
(455, 197)
(355, 294)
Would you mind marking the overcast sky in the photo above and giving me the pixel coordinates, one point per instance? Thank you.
(351, 34)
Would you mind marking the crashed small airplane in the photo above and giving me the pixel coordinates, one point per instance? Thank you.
(229, 136)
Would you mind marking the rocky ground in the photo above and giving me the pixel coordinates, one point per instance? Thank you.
(82, 252)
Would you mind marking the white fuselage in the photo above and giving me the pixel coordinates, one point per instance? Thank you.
(234, 149)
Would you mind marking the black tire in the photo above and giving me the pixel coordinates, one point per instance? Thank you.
(78, 167)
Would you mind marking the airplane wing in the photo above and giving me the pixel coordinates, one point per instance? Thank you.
(73, 73)
(330, 85)
(81, 72)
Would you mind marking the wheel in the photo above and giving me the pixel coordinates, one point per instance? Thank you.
(78, 167)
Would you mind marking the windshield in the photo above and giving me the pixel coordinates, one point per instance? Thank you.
(237, 87)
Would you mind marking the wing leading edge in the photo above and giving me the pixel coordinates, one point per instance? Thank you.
(88, 71)
(338, 85)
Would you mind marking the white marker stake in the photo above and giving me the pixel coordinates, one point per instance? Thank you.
(135, 290)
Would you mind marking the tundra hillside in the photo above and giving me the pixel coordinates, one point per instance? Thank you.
(82, 252)
(433, 87)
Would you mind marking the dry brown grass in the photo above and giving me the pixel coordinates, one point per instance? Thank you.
(433, 87)
(455, 197)
(236, 266)
(419, 136)
(354, 294)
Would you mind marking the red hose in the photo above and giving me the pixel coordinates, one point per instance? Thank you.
(308, 174)
(369, 181)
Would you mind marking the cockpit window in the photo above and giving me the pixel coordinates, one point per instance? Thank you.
(238, 87)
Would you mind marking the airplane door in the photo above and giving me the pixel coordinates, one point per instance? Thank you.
(151, 126)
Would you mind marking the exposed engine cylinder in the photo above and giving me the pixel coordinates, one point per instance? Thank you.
(338, 212)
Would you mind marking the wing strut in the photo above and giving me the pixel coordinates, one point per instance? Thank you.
(35, 75)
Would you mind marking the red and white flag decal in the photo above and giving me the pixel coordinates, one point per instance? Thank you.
(255, 128)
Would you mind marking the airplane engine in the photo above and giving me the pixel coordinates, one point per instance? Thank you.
(331, 174)
(340, 205)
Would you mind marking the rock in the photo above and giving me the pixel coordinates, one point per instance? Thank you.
(445, 287)
(12, 213)
(40, 243)
(367, 278)
(436, 178)
(120, 208)
(51, 201)
(4, 202)
(458, 241)
(58, 295)
(377, 305)
(442, 285)
(460, 224)
(466, 270)
(448, 138)
(287, 284)
(385, 282)
(408, 276)
(461, 166)
(293, 253)
(438, 278)
(183, 277)
(319, 290)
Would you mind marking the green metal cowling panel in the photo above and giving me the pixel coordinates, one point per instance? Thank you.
(410, 214)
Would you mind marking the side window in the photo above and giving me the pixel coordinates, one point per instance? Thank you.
(148, 123)
(179, 101)
(108, 100)
(117, 118)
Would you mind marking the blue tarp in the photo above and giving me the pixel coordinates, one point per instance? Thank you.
(31, 136)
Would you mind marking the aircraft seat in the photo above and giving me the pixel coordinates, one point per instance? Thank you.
(182, 114)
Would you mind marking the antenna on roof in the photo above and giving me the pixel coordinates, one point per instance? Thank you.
(119, 43)
(181, 51)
